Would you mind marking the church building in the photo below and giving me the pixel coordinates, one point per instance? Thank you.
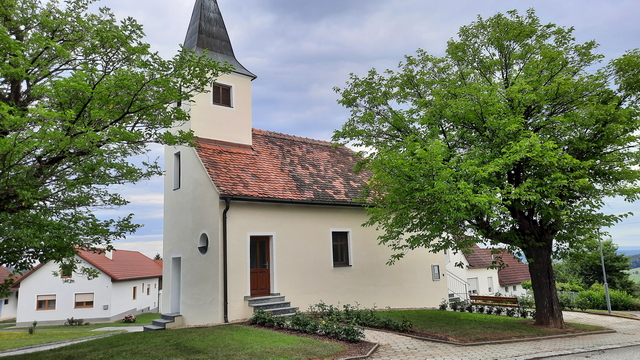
(259, 219)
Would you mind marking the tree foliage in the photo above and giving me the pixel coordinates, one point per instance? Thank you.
(584, 267)
(512, 137)
(81, 95)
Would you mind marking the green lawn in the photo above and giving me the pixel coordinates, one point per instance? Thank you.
(218, 342)
(52, 333)
(475, 327)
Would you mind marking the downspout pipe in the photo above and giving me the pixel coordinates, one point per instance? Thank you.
(227, 203)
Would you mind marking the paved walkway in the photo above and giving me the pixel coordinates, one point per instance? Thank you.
(397, 347)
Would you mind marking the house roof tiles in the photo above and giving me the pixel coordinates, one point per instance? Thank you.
(285, 168)
(479, 258)
(123, 265)
(4, 274)
(514, 271)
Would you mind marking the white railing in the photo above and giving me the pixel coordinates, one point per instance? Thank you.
(457, 286)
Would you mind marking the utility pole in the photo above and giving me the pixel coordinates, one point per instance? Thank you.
(604, 274)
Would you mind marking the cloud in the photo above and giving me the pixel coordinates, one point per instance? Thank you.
(300, 50)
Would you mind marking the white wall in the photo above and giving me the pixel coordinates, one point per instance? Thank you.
(10, 309)
(481, 274)
(122, 296)
(509, 291)
(230, 124)
(42, 282)
(110, 299)
(189, 212)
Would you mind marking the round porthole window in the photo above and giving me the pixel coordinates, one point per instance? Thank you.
(203, 243)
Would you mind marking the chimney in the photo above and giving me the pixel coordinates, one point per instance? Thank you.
(109, 254)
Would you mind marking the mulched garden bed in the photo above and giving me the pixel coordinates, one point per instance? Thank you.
(352, 349)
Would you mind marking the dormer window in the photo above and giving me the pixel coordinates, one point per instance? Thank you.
(221, 95)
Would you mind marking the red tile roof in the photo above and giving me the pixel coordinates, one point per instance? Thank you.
(513, 272)
(123, 265)
(4, 274)
(516, 271)
(479, 258)
(283, 168)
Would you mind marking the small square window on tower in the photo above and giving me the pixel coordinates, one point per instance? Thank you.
(221, 94)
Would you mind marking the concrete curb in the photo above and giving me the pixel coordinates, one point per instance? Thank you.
(605, 314)
(571, 352)
(506, 341)
(373, 349)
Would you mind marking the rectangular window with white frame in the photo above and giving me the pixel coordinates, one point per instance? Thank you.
(490, 283)
(341, 248)
(177, 170)
(46, 302)
(435, 272)
(84, 300)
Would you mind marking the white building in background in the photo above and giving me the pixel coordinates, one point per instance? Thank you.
(479, 276)
(8, 304)
(252, 213)
(129, 283)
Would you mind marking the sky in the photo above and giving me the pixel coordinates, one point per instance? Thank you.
(301, 50)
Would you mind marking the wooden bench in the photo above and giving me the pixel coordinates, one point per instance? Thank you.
(493, 300)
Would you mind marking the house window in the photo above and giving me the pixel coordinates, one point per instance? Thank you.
(514, 287)
(46, 302)
(84, 300)
(135, 292)
(506, 289)
(340, 242)
(6, 301)
(203, 243)
(490, 283)
(435, 272)
(148, 289)
(177, 167)
(221, 95)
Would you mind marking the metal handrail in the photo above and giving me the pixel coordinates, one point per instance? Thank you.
(457, 286)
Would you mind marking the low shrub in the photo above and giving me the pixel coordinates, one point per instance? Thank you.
(128, 318)
(596, 299)
(444, 304)
(511, 312)
(566, 301)
(489, 310)
(499, 310)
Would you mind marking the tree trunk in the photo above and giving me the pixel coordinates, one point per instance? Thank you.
(543, 282)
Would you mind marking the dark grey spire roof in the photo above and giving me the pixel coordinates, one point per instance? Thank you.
(207, 31)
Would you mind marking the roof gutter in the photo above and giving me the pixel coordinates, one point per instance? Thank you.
(227, 203)
(291, 201)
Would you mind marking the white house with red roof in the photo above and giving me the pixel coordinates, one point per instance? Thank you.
(480, 275)
(128, 283)
(253, 216)
(8, 304)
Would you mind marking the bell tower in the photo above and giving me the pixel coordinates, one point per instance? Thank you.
(224, 114)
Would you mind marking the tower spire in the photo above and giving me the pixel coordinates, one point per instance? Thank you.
(207, 31)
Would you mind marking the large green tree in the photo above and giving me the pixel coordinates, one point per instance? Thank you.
(512, 137)
(81, 96)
